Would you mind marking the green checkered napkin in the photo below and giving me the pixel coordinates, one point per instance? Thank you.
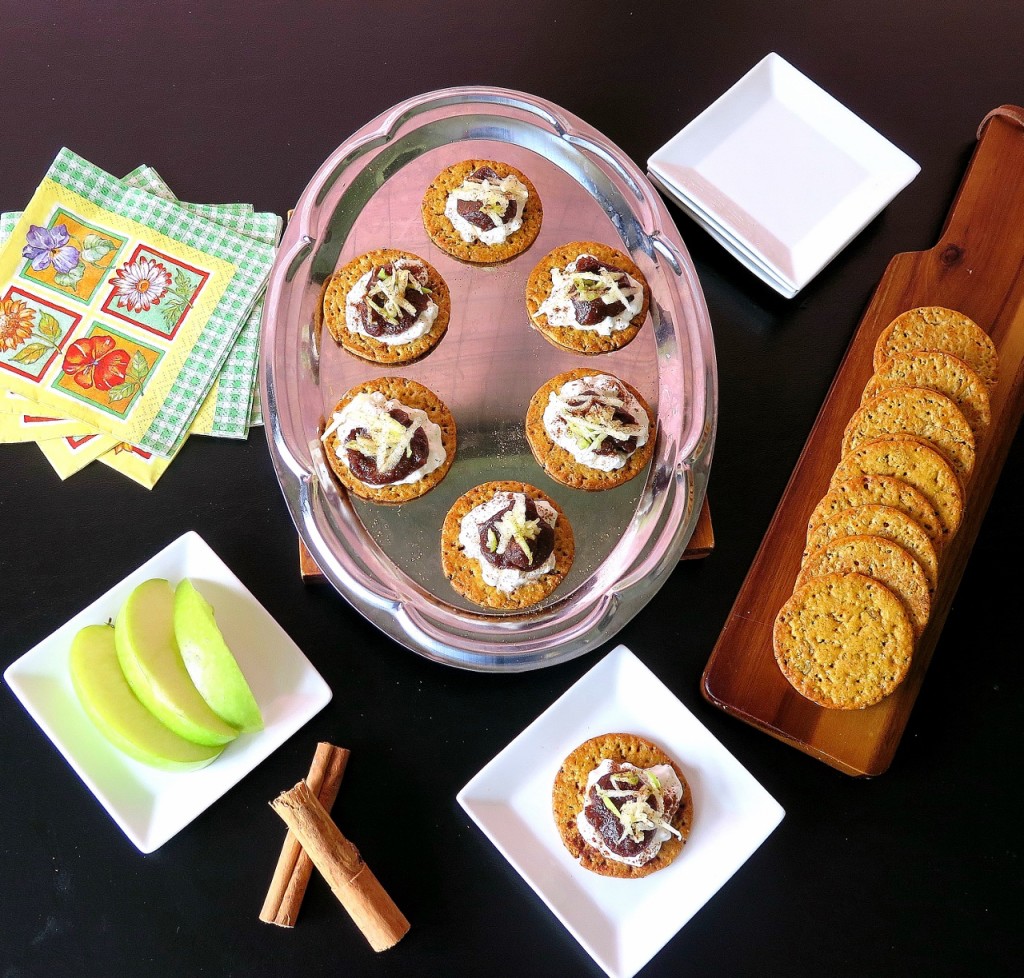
(252, 260)
(7, 223)
(145, 177)
(256, 408)
(234, 413)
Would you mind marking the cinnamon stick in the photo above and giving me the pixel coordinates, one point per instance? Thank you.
(294, 867)
(339, 862)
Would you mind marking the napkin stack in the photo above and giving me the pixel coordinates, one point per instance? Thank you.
(128, 319)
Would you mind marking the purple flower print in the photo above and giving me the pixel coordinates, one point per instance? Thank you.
(49, 246)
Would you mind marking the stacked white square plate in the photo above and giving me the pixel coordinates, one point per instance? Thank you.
(780, 173)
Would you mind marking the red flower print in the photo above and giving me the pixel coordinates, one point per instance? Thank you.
(96, 362)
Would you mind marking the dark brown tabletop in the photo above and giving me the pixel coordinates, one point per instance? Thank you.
(914, 872)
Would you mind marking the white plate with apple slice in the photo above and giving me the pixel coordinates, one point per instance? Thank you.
(151, 804)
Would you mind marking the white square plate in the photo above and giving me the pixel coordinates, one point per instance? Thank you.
(784, 168)
(148, 804)
(753, 263)
(622, 924)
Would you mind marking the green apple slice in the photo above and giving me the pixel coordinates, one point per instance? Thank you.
(152, 664)
(210, 662)
(116, 711)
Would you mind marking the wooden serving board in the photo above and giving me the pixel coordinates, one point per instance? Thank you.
(977, 267)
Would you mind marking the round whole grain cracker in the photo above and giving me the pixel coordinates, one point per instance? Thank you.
(915, 461)
(884, 560)
(884, 490)
(940, 372)
(843, 641)
(915, 411)
(878, 520)
(539, 285)
(464, 571)
(939, 328)
(559, 463)
(568, 798)
(413, 395)
(444, 235)
(336, 291)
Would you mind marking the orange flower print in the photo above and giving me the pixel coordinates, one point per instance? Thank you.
(15, 323)
(96, 362)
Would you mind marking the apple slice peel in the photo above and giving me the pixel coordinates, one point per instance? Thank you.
(210, 662)
(152, 664)
(116, 711)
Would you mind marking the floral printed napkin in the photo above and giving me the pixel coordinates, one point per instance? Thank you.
(119, 308)
(8, 222)
(19, 421)
(73, 453)
(232, 406)
(228, 409)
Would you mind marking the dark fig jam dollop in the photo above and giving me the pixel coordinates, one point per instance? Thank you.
(364, 467)
(472, 210)
(589, 312)
(372, 321)
(514, 557)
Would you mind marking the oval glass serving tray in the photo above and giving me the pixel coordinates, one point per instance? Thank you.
(385, 560)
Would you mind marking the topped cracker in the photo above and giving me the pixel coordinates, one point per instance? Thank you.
(464, 570)
(443, 233)
(335, 313)
(939, 328)
(559, 463)
(409, 394)
(541, 282)
(843, 641)
(569, 793)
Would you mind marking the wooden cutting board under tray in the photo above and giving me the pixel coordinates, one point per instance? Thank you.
(977, 268)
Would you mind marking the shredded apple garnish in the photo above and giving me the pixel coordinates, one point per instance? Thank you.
(514, 525)
(638, 802)
(392, 288)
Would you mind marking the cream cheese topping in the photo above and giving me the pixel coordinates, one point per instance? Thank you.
(387, 440)
(494, 196)
(420, 326)
(560, 311)
(579, 422)
(635, 815)
(505, 579)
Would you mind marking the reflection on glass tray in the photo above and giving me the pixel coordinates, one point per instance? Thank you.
(386, 560)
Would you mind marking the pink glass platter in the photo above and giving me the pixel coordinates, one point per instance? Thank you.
(386, 560)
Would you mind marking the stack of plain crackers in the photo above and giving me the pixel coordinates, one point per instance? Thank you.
(845, 638)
